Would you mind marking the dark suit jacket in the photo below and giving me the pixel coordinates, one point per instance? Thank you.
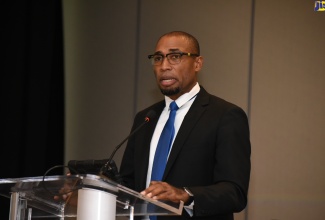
(210, 156)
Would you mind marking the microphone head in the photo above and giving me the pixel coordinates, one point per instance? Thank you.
(150, 115)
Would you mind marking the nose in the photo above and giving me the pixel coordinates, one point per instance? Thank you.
(165, 64)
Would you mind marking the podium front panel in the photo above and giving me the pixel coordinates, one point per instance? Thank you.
(57, 197)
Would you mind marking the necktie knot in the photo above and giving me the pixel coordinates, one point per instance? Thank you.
(173, 106)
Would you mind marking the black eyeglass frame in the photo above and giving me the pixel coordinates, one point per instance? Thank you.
(166, 55)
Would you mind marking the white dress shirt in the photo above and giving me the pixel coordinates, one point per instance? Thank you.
(184, 103)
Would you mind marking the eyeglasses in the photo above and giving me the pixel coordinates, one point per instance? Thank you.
(173, 58)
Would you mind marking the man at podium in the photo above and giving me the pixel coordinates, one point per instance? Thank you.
(197, 149)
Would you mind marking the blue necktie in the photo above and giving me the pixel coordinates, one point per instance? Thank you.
(163, 147)
(164, 144)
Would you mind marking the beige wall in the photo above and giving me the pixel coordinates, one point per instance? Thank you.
(288, 112)
(271, 68)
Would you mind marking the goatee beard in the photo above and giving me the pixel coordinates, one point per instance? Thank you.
(170, 92)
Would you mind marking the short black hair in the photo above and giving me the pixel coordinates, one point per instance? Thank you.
(193, 41)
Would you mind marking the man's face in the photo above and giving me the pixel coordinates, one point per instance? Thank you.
(176, 79)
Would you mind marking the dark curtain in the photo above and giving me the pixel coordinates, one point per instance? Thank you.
(32, 90)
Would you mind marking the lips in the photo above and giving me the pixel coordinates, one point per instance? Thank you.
(167, 81)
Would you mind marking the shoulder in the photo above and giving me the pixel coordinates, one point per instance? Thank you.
(213, 101)
(154, 110)
(218, 108)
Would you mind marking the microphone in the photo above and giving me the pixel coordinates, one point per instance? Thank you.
(150, 115)
(106, 167)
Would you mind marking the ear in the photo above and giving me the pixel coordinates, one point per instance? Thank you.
(198, 63)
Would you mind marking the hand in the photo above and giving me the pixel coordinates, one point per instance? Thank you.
(68, 193)
(163, 191)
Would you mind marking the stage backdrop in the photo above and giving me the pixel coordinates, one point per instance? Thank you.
(265, 56)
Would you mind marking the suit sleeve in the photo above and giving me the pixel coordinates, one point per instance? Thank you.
(231, 170)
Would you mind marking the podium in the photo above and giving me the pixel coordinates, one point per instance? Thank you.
(81, 197)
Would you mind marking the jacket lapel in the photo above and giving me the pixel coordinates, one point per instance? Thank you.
(190, 120)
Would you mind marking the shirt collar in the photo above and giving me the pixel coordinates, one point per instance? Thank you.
(185, 97)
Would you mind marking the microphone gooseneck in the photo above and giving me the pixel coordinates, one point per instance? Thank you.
(150, 115)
